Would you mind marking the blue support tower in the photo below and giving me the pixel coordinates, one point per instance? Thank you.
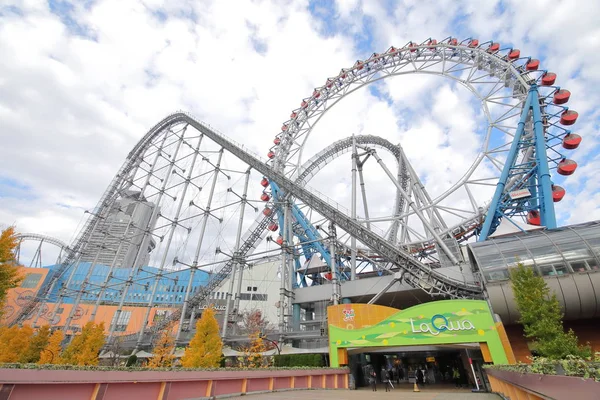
(532, 174)
(310, 234)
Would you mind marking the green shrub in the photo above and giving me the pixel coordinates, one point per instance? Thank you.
(131, 361)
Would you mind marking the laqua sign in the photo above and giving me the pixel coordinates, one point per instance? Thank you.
(444, 322)
(440, 323)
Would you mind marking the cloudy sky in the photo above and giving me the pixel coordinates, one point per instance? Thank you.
(81, 82)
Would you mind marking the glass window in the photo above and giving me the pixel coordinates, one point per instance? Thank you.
(496, 275)
(592, 264)
(561, 269)
(249, 289)
(547, 270)
(31, 281)
(259, 297)
(122, 322)
(579, 266)
(245, 296)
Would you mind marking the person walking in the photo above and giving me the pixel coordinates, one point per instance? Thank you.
(373, 380)
(456, 376)
(387, 381)
(419, 375)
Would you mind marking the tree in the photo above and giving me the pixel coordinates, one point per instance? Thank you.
(14, 341)
(163, 351)
(10, 276)
(114, 350)
(541, 316)
(205, 349)
(84, 348)
(51, 353)
(37, 343)
(253, 321)
(254, 357)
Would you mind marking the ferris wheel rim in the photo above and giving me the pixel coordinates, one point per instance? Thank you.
(515, 73)
(478, 208)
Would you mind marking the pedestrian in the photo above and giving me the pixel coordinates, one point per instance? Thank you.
(456, 376)
(373, 380)
(419, 375)
(387, 380)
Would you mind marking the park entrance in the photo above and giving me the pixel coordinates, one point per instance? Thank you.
(433, 337)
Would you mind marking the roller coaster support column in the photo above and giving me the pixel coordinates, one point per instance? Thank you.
(194, 267)
(353, 210)
(334, 276)
(237, 264)
(542, 171)
(284, 271)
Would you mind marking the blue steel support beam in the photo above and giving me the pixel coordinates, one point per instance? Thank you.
(548, 218)
(494, 212)
(310, 231)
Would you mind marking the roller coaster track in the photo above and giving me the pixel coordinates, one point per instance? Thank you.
(416, 273)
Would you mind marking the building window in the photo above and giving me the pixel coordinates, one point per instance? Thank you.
(254, 289)
(160, 315)
(245, 296)
(31, 281)
(122, 322)
(579, 266)
(259, 297)
(249, 289)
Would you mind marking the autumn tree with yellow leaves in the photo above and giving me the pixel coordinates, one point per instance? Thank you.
(85, 347)
(254, 352)
(205, 349)
(51, 353)
(14, 341)
(37, 343)
(163, 351)
(10, 276)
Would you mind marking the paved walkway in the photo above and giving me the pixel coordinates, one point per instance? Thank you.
(404, 392)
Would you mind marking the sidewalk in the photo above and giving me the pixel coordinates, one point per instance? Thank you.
(404, 391)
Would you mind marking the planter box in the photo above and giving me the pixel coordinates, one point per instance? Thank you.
(27, 384)
(551, 386)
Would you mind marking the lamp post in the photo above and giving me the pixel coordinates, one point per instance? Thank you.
(274, 343)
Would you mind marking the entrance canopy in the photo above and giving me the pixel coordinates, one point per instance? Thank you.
(446, 322)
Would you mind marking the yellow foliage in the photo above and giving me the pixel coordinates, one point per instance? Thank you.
(14, 341)
(254, 357)
(84, 348)
(205, 349)
(36, 344)
(163, 351)
(51, 353)
(10, 276)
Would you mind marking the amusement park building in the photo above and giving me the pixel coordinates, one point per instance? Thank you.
(259, 291)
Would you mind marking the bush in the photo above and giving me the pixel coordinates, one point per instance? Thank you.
(570, 366)
(299, 360)
(131, 361)
(135, 368)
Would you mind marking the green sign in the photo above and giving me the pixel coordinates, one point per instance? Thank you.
(433, 323)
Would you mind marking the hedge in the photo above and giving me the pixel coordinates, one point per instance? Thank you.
(122, 368)
(299, 360)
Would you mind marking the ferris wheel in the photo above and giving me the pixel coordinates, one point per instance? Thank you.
(524, 139)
